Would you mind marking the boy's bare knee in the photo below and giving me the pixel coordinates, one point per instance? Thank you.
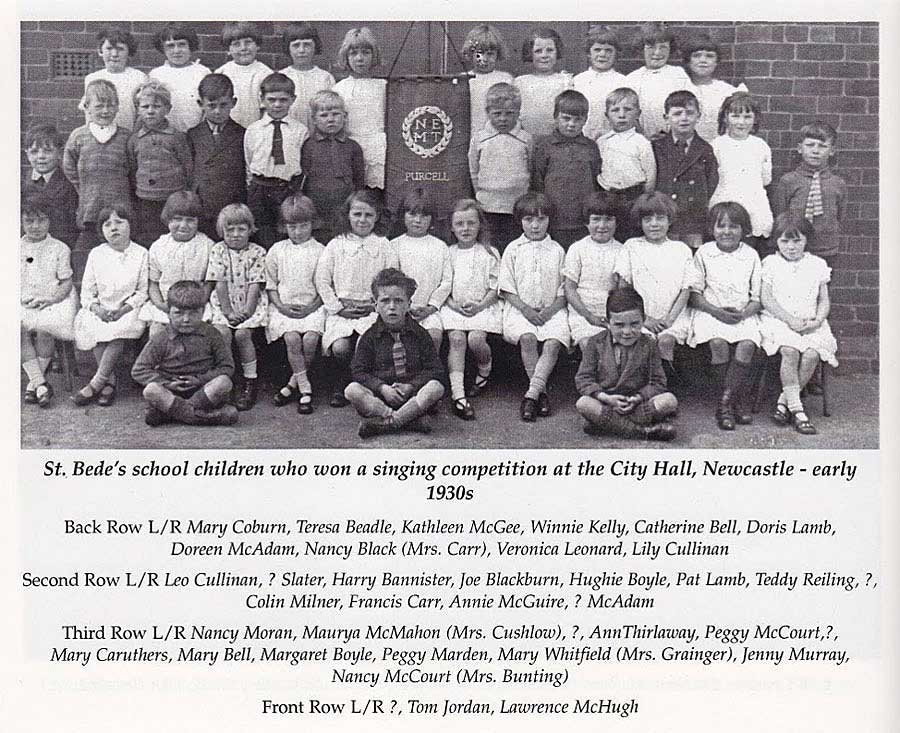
(586, 404)
(354, 392)
(221, 385)
(665, 404)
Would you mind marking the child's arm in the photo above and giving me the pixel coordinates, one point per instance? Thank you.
(780, 195)
(551, 310)
(539, 167)
(771, 305)
(442, 291)
(432, 369)
(712, 171)
(574, 299)
(71, 153)
(324, 279)
(362, 365)
(248, 154)
(156, 295)
(223, 361)
(509, 291)
(823, 307)
(139, 296)
(474, 162)
(766, 164)
(146, 366)
(648, 165)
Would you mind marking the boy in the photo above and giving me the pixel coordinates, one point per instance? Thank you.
(45, 183)
(814, 191)
(242, 40)
(272, 155)
(159, 160)
(500, 162)
(686, 168)
(621, 379)
(217, 148)
(186, 367)
(333, 162)
(181, 72)
(397, 375)
(117, 47)
(629, 168)
(565, 167)
(600, 78)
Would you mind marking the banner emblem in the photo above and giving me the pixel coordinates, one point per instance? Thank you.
(427, 131)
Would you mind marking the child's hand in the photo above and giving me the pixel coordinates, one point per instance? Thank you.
(796, 324)
(391, 395)
(618, 402)
(467, 309)
(633, 401)
(728, 315)
(655, 325)
(809, 325)
(405, 390)
(598, 321)
(533, 316)
(37, 302)
(300, 311)
(235, 318)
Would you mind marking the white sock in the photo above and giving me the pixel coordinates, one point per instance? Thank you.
(301, 382)
(457, 386)
(32, 369)
(249, 369)
(44, 361)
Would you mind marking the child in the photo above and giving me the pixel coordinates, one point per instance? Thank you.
(396, 371)
(629, 168)
(186, 367)
(333, 162)
(237, 271)
(181, 73)
(701, 55)
(426, 259)
(46, 183)
(47, 299)
(217, 147)
(656, 79)
(112, 292)
(500, 155)
(95, 160)
(482, 50)
(793, 321)
(600, 78)
(589, 269)
(472, 310)
(182, 254)
(544, 51)
(531, 286)
(365, 99)
(302, 44)
(814, 191)
(745, 163)
(117, 47)
(621, 380)
(686, 167)
(662, 272)
(272, 155)
(344, 276)
(159, 159)
(243, 39)
(725, 301)
(296, 312)
(565, 167)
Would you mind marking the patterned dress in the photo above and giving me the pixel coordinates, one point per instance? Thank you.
(239, 268)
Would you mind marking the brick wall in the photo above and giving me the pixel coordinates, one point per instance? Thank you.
(798, 71)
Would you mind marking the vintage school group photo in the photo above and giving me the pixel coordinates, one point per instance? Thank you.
(225, 256)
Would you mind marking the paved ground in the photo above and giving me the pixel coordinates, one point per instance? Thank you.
(853, 424)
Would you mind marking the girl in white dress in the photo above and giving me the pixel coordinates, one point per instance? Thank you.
(602, 46)
(181, 73)
(531, 286)
(701, 57)
(745, 163)
(544, 51)
(794, 317)
(472, 310)
(113, 289)
(302, 44)
(182, 254)
(726, 301)
(365, 99)
(47, 298)
(483, 49)
(296, 312)
(426, 259)
(344, 277)
(243, 39)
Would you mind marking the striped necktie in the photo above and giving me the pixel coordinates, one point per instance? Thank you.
(814, 200)
(277, 143)
(398, 353)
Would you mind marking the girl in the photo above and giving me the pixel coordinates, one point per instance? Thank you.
(112, 292)
(425, 259)
(237, 273)
(745, 163)
(48, 298)
(181, 73)
(344, 277)
(365, 99)
(793, 322)
(656, 79)
(662, 272)
(725, 300)
(302, 44)
(544, 51)
(182, 254)
(701, 56)
(117, 47)
(531, 285)
(295, 308)
(472, 310)
(602, 46)
(483, 48)
(589, 269)
(243, 39)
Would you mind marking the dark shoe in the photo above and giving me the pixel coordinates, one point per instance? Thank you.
(372, 426)
(781, 415)
(463, 410)
(478, 385)
(280, 399)
(814, 388)
(225, 415)
(45, 396)
(107, 395)
(247, 396)
(725, 412)
(153, 417)
(663, 432)
(421, 424)
(338, 400)
(802, 424)
(528, 410)
(85, 395)
(543, 409)
(30, 396)
(305, 404)
(591, 429)
(434, 409)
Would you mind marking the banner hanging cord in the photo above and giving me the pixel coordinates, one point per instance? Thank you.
(409, 28)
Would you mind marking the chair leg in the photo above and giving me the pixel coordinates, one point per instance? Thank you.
(762, 384)
(66, 354)
(823, 374)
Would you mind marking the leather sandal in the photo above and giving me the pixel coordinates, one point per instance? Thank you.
(85, 395)
(107, 395)
(305, 404)
(781, 415)
(802, 424)
(462, 409)
(479, 384)
(280, 399)
(30, 396)
(528, 409)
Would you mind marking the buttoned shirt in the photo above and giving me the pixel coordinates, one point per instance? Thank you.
(258, 148)
(202, 353)
(627, 159)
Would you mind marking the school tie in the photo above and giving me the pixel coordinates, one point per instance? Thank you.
(398, 353)
(682, 147)
(814, 200)
(40, 181)
(277, 143)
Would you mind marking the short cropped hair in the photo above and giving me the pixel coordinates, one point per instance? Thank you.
(532, 204)
(234, 214)
(653, 203)
(818, 130)
(215, 86)
(120, 208)
(681, 98)
(600, 203)
(622, 299)
(616, 96)
(298, 209)
(326, 98)
(44, 135)
(358, 38)
(736, 214)
(187, 295)
(101, 91)
(277, 82)
(175, 32)
(541, 32)
(36, 207)
(652, 33)
(570, 102)
(301, 31)
(501, 93)
(392, 277)
(790, 225)
(114, 34)
(154, 89)
(232, 32)
(484, 37)
(739, 102)
(365, 196)
(602, 34)
(181, 203)
(699, 42)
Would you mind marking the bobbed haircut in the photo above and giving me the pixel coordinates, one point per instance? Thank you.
(649, 34)
(788, 224)
(365, 196)
(232, 32)
(101, 91)
(417, 200)
(326, 98)
(187, 295)
(358, 38)
(44, 135)
(392, 277)
(600, 203)
(175, 32)
(298, 209)
(120, 208)
(36, 207)
(653, 203)
(484, 37)
(301, 31)
(739, 102)
(623, 299)
(541, 32)
(532, 204)
(621, 94)
(736, 214)
(484, 229)
(500, 93)
(699, 42)
(234, 214)
(601, 34)
(181, 203)
(114, 34)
